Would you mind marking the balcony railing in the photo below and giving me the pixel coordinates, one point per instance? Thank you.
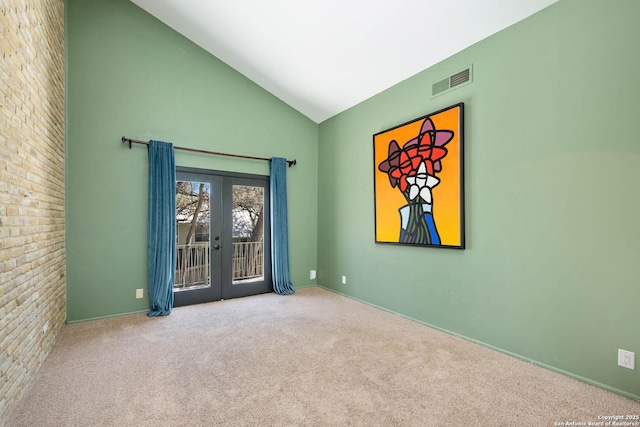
(248, 261)
(193, 264)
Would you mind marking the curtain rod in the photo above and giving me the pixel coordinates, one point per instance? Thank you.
(195, 150)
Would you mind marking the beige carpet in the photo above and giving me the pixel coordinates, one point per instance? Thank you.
(314, 358)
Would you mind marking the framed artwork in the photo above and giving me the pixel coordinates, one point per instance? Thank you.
(418, 181)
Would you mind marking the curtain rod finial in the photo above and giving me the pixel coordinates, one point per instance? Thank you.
(125, 139)
(292, 162)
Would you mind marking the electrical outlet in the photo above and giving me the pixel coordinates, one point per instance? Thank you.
(626, 359)
(312, 275)
(139, 293)
(344, 280)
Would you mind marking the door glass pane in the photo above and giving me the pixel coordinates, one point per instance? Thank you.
(192, 247)
(248, 233)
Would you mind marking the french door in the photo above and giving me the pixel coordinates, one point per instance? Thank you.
(223, 239)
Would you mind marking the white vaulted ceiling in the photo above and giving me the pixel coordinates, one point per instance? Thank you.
(322, 57)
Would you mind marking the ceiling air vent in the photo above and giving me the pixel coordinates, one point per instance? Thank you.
(457, 79)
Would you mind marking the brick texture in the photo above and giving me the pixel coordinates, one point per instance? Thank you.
(32, 216)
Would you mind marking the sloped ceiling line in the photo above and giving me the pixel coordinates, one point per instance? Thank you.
(324, 57)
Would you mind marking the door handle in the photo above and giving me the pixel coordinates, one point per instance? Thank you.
(216, 247)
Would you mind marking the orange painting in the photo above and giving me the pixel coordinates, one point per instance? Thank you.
(418, 181)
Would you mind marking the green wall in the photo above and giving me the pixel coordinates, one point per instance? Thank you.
(129, 74)
(551, 268)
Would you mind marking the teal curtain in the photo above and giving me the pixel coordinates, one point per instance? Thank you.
(279, 227)
(161, 243)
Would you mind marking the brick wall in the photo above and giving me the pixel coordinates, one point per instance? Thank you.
(32, 227)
